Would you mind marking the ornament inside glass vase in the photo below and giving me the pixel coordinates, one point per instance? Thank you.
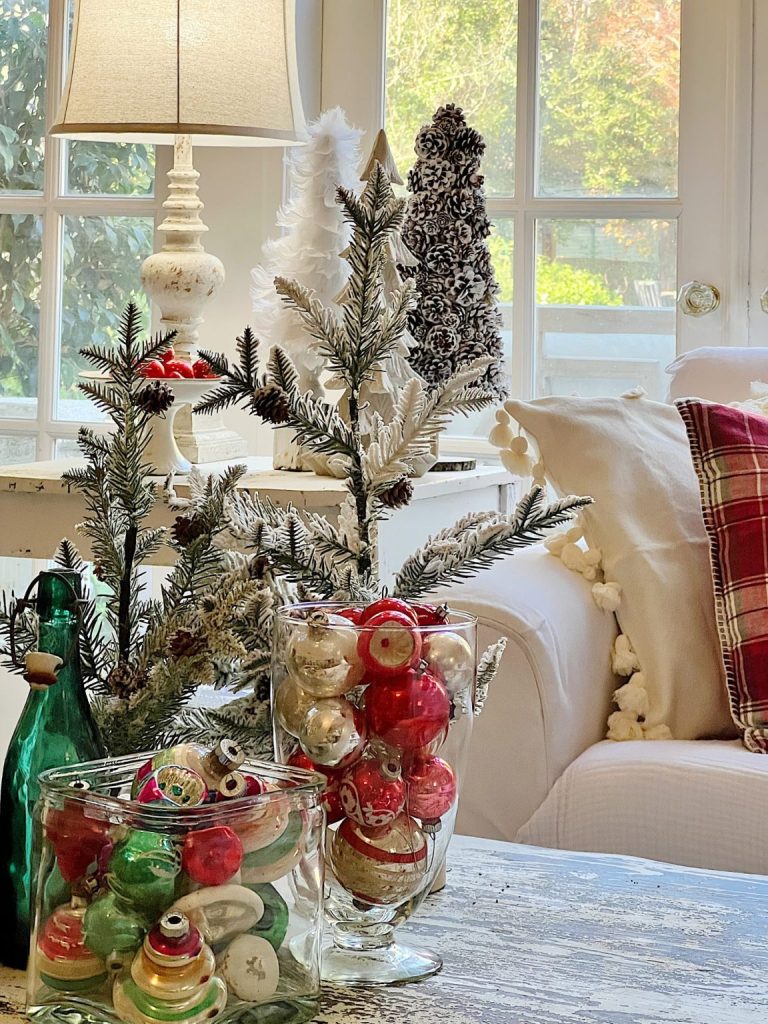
(393, 748)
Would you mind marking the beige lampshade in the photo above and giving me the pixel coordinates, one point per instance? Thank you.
(222, 71)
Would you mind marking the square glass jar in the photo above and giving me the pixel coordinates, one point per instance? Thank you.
(150, 912)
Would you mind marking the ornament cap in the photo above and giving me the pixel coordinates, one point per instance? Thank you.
(233, 786)
(174, 925)
(229, 754)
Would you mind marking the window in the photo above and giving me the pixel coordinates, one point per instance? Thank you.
(76, 221)
(578, 101)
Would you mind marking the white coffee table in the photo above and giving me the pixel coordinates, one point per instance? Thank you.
(534, 936)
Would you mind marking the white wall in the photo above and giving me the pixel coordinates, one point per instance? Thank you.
(242, 190)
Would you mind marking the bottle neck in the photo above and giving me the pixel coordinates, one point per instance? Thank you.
(59, 635)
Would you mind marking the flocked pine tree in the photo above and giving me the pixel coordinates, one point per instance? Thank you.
(340, 560)
(446, 227)
(144, 659)
(309, 251)
(379, 394)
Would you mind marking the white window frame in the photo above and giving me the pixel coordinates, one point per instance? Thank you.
(52, 206)
(712, 210)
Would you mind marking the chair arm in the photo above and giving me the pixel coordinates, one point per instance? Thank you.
(551, 698)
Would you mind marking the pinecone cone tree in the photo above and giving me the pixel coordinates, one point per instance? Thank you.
(446, 228)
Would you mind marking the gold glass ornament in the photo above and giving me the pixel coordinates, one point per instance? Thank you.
(172, 977)
(322, 656)
(291, 704)
(379, 866)
(332, 732)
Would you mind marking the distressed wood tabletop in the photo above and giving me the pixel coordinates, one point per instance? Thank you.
(534, 936)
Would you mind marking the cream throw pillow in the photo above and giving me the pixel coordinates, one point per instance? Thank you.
(632, 456)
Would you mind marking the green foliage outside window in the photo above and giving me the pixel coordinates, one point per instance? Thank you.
(102, 255)
(607, 118)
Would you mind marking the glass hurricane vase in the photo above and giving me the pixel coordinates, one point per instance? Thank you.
(379, 700)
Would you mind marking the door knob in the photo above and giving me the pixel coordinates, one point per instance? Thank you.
(764, 301)
(697, 298)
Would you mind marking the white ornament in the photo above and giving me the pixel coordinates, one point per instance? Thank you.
(250, 967)
(451, 658)
(221, 911)
(501, 435)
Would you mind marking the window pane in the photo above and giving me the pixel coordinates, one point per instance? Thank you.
(605, 312)
(110, 168)
(17, 448)
(465, 53)
(102, 261)
(23, 49)
(67, 448)
(20, 266)
(609, 74)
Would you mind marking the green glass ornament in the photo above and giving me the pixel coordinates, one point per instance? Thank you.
(143, 870)
(113, 930)
(55, 729)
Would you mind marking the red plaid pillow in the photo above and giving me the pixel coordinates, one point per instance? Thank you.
(730, 456)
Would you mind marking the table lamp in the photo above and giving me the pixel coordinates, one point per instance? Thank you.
(183, 72)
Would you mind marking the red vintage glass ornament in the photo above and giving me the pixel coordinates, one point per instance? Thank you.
(212, 855)
(353, 614)
(64, 961)
(371, 794)
(387, 604)
(388, 645)
(331, 799)
(431, 788)
(409, 712)
(430, 614)
(77, 840)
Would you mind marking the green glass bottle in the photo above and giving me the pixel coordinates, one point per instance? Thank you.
(56, 728)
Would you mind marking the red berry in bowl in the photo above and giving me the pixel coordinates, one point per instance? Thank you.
(388, 645)
(201, 370)
(387, 604)
(178, 366)
(167, 355)
(152, 368)
(173, 375)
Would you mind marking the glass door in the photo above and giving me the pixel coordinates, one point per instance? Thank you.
(617, 166)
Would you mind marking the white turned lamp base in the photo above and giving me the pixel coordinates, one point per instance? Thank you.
(181, 278)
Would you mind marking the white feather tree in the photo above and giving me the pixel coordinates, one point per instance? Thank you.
(315, 234)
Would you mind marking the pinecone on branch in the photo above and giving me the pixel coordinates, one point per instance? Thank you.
(398, 495)
(186, 644)
(125, 680)
(271, 403)
(186, 529)
(156, 398)
(258, 567)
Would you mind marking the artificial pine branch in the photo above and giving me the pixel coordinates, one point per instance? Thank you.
(461, 551)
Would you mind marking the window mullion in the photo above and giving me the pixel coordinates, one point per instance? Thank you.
(524, 275)
(51, 270)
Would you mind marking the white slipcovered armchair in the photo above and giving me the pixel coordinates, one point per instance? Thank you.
(540, 771)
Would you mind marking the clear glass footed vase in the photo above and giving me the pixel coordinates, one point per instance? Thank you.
(380, 700)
